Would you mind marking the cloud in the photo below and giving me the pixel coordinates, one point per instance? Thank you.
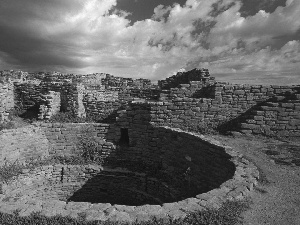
(93, 36)
(54, 33)
(241, 45)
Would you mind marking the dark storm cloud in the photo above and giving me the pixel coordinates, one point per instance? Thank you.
(283, 39)
(27, 49)
(251, 7)
(219, 7)
(143, 9)
(39, 34)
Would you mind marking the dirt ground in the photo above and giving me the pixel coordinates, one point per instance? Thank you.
(276, 200)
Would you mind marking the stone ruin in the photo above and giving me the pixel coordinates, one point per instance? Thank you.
(154, 165)
(190, 100)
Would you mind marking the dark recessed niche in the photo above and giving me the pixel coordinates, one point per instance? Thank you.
(124, 139)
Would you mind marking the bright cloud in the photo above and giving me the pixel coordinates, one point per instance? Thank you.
(84, 36)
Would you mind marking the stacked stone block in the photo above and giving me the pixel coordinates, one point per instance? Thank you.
(113, 81)
(28, 95)
(6, 99)
(185, 77)
(132, 94)
(101, 104)
(196, 105)
(51, 105)
(279, 117)
(64, 138)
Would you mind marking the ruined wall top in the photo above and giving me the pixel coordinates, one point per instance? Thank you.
(186, 77)
(13, 76)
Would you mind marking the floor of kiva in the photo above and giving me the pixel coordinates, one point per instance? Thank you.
(276, 200)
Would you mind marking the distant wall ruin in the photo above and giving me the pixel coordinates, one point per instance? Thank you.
(189, 100)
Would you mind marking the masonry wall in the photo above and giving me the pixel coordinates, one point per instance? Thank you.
(87, 183)
(23, 144)
(28, 95)
(185, 77)
(64, 138)
(54, 139)
(193, 106)
(6, 99)
(51, 106)
(101, 104)
(278, 117)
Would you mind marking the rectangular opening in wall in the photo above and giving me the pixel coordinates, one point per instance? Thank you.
(124, 139)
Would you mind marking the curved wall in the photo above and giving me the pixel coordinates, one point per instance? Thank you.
(218, 169)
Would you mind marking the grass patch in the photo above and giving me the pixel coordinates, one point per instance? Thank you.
(89, 147)
(228, 214)
(7, 125)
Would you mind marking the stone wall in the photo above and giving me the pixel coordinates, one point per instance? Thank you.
(88, 183)
(45, 189)
(101, 103)
(278, 117)
(47, 139)
(186, 77)
(113, 81)
(64, 138)
(157, 151)
(6, 99)
(84, 183)
(221, 105)
(28, 95)
(23, 144)
(51, 106)
(165, 152)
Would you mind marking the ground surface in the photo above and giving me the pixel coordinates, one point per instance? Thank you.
(276, 200)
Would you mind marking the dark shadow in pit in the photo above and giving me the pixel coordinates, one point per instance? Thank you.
(184, 165)
(114, 189)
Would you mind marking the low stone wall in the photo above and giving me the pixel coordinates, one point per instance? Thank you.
(35, 185)
(280, 117)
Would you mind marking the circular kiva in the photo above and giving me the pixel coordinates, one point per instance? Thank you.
(203, 178)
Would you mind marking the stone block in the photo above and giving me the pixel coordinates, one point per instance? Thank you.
(239, 92)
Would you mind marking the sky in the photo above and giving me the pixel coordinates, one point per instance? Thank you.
(239, 41)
